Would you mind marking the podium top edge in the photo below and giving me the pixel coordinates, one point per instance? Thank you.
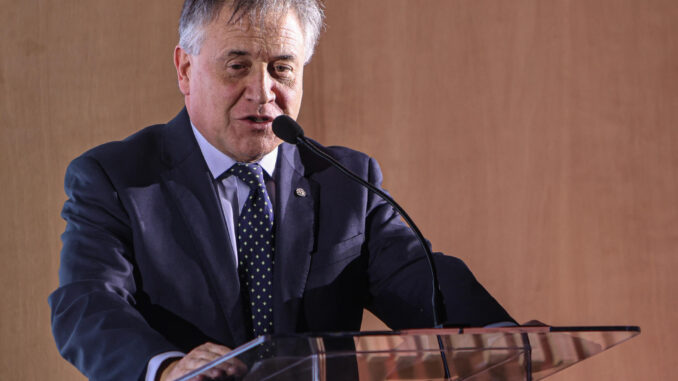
(472, 330)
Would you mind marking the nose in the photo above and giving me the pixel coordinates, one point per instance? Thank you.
(260, 86)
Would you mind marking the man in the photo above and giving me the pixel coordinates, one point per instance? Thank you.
(155, 280)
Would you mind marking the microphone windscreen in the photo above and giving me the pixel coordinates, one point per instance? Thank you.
(287, 129)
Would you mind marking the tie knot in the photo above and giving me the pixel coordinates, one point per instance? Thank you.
(250, 173)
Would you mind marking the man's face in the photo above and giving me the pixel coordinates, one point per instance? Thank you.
(244, 76)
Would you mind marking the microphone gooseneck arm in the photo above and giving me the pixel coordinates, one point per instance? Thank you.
(289, 130)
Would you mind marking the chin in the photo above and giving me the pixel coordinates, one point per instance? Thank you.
(251, 154)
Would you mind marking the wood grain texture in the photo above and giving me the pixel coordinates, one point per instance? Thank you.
(535, 140)
(73, 74)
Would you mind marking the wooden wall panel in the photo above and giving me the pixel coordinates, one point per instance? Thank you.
(73, 74)
(536, 140)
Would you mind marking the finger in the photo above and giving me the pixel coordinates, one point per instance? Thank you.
(189, 363)
(209, 352)
(214, 374)
(238, 368)
(211, 375)
(216, 349)
(233, 367)
(205, 354)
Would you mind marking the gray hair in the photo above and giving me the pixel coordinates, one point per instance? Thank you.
(196, 14)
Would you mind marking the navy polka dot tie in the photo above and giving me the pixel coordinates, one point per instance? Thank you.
(255, 238)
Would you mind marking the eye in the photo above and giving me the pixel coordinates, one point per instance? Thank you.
(237, 67)
(282, 70)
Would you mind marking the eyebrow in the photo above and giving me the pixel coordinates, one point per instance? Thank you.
(285, 57)
(240, 53)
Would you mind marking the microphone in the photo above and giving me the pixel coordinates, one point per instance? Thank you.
(291, 132)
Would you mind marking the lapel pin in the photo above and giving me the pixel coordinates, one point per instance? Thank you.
(300, 192)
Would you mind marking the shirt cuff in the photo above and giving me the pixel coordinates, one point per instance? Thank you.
(156, 361)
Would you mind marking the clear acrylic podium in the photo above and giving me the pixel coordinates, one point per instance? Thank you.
(478, 354)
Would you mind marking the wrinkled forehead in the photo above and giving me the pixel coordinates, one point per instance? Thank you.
(274, 35)
(263, 21)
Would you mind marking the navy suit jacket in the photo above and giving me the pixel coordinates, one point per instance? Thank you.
(147, 266)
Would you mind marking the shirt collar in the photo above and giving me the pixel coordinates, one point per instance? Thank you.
(218, 162)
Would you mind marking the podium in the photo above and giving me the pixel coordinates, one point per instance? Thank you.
(478, 354)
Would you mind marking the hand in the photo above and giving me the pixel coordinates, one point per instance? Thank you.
(200, 356)
(534, 323)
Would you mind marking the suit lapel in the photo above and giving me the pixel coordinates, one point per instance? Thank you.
(190, 184)
(296, 197)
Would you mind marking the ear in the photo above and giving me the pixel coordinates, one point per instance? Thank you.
(182, 62)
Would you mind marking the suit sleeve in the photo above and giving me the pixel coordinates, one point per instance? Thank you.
(400, 278)
(94, 321)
